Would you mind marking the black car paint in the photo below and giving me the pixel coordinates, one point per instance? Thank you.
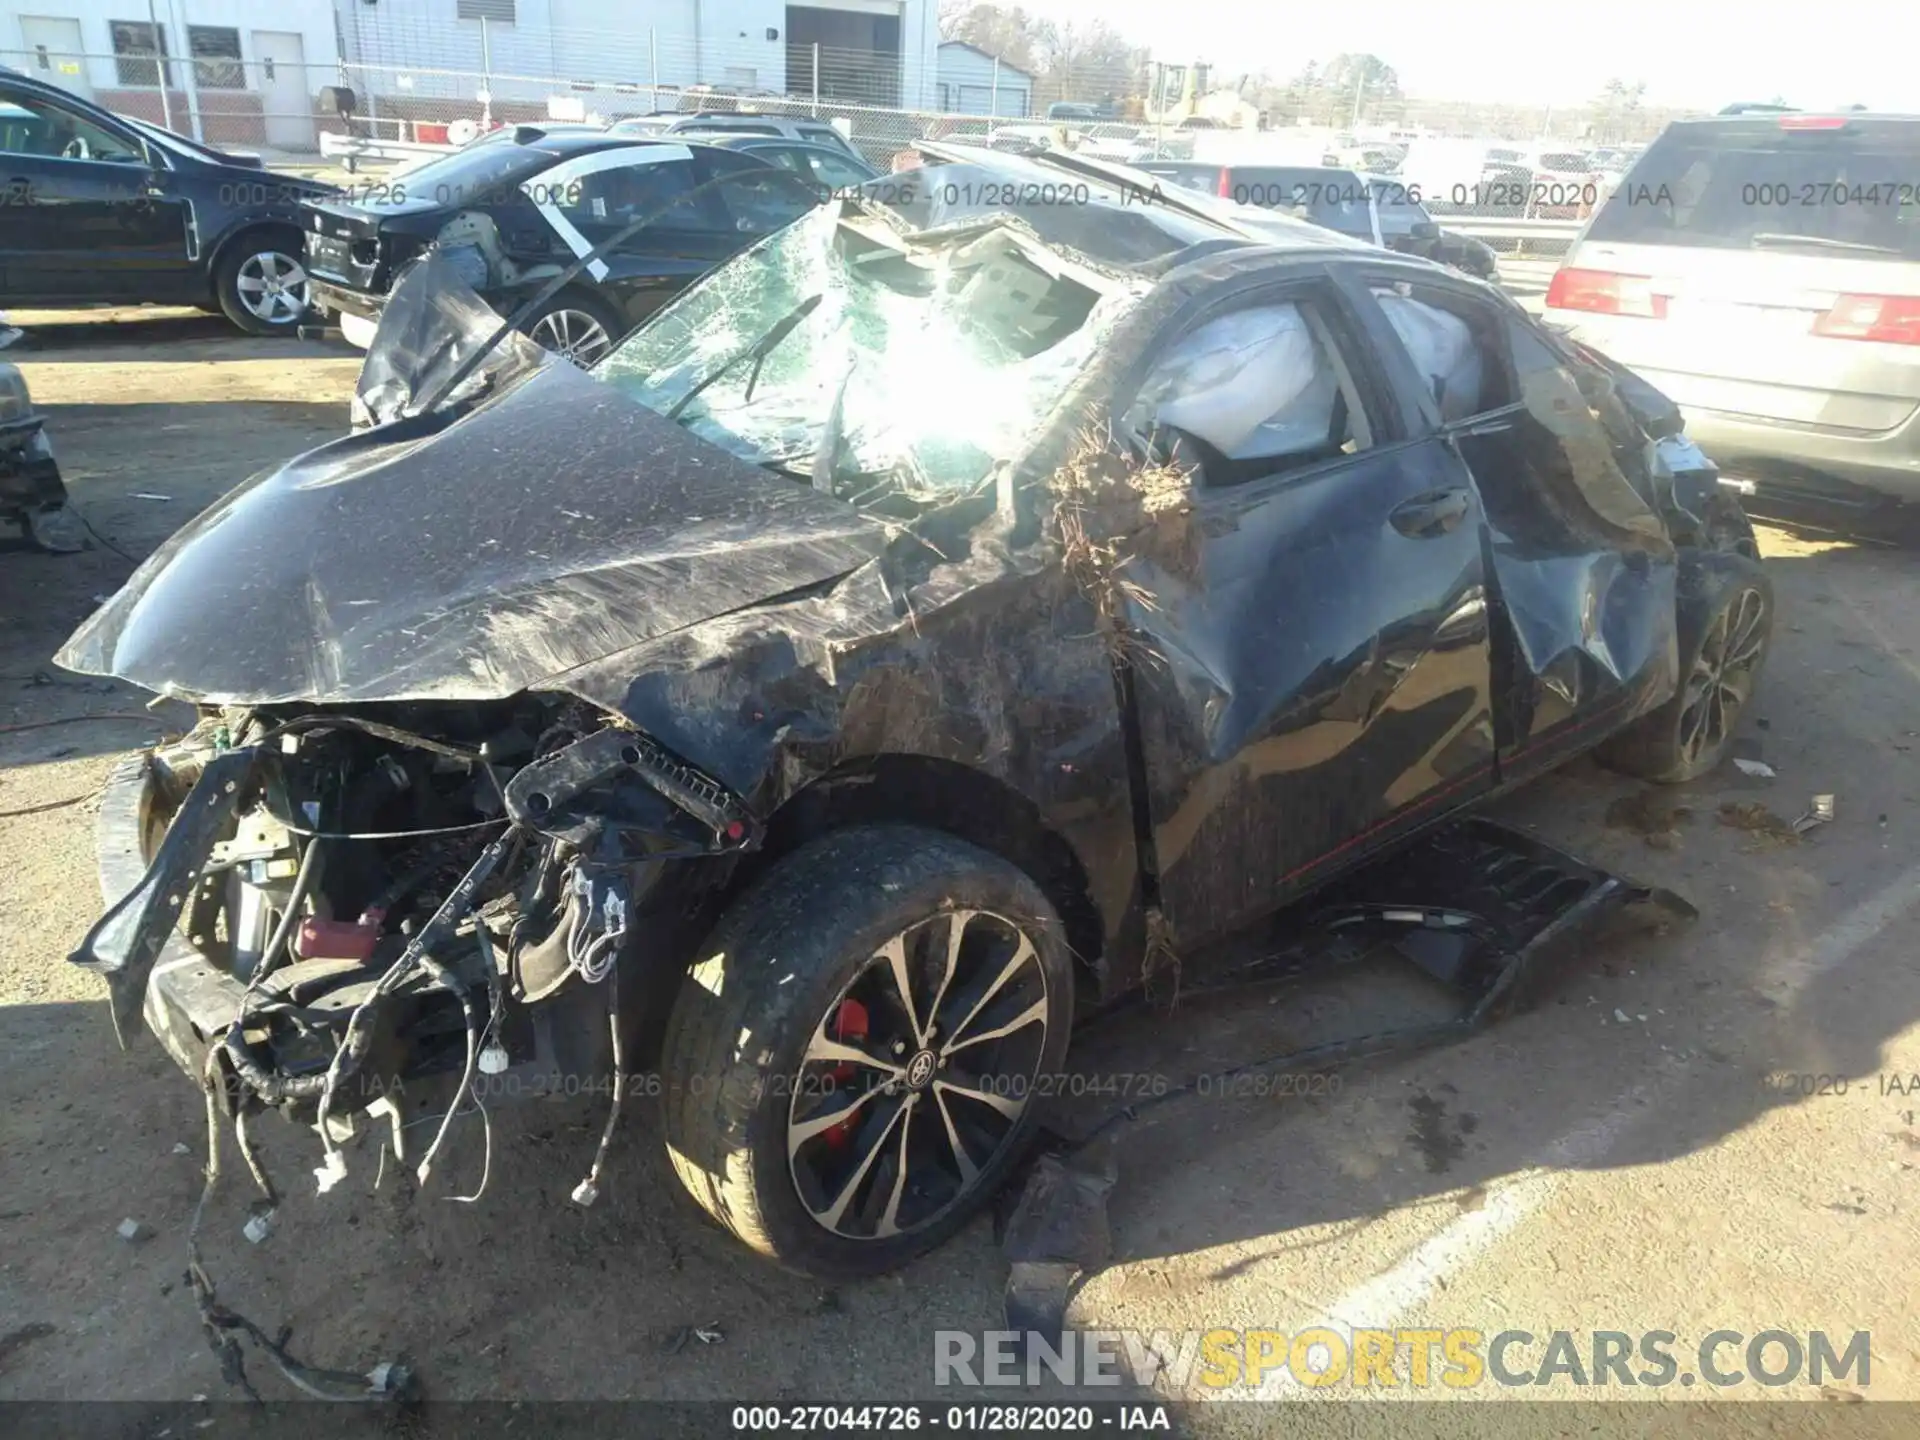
(356, 252)
(643, 530)
(1303, 683)
(812, 162)
(80, 231)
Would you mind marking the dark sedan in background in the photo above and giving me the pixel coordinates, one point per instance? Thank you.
(516, 213)
(102, 209)
(1375, 208)
(830, 169)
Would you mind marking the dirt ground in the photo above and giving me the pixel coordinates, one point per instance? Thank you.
(1614, 1158)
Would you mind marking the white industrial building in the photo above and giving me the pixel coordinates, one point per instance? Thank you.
(256, 70)
(254, 65)
(972, 82)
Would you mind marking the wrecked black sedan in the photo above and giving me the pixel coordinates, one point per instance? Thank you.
(944, 613)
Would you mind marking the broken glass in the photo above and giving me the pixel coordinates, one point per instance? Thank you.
(942, 362)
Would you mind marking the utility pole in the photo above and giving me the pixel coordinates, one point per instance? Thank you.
(486, 77)
(193, 84)
(160, 66)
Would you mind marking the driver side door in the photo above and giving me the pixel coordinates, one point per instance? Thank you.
(88, 217)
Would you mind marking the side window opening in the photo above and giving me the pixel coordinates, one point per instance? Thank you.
(1460, 354)
(1556, 471)
(762, 201)
(1251, 394)
(30, 127)
(603, 201)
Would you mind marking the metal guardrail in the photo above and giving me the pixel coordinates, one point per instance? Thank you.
(352, 151)
(1522, 273)
(1502, 227)
(1538, 246)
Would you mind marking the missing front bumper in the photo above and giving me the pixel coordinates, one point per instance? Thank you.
(136, 940)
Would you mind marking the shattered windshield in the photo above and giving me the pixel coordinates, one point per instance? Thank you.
(871, 364)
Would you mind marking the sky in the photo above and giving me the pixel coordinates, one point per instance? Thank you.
(1705, 54)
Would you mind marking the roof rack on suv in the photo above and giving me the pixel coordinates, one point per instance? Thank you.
(1758, 108)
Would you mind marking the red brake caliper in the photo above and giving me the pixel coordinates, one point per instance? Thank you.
(849, 1025)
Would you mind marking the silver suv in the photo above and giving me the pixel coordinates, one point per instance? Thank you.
(1764, 271)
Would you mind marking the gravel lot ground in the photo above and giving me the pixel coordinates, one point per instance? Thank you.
(1613, 1159)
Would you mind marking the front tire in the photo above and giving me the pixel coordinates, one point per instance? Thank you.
(828, 1122)
(1725, 621)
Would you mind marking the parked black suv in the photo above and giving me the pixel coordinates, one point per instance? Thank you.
(100, 208)
(515, 213)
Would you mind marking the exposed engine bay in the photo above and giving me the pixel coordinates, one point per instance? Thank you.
(376, 915)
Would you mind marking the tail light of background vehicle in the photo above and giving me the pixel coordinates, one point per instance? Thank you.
(1605, 292)
(1893, 319)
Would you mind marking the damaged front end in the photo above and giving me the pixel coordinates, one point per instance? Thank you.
(326, 912)
(451, 669)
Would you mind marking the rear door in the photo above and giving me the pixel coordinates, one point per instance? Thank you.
(592, 197)
(1765, 267)
(1581, 571)
(1313, 672)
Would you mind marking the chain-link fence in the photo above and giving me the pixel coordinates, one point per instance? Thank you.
(398, 78)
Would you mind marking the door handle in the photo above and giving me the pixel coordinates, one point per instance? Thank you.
(1433, 514)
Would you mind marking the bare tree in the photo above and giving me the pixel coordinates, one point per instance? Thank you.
(1616, 113)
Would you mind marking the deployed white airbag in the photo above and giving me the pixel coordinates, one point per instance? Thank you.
(1442, 349)
(1252, 384)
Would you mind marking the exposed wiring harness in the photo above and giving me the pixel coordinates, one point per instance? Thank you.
(588, 1190)
(351, 1053)
(388, 1381)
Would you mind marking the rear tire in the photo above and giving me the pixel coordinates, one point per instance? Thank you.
(578, 327)
(261, 283)
(1725, 622)
(773, 1127)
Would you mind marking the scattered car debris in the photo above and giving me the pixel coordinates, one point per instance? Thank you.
(149, 495)
(134, 1231)
(1058, 1234)
(1758, 769)
(1819, 812)
(1484, 909)
(676, 1341)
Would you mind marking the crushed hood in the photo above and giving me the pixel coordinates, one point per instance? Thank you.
(465, 558)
